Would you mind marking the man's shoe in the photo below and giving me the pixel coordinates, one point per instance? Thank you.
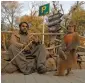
(41, 70)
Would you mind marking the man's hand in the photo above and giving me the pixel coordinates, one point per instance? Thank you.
(24, 45)
(27, 48)
(35, 39)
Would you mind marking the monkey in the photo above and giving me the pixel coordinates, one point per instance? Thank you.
(67, 52)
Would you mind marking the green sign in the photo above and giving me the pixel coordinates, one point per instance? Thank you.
(43, 10)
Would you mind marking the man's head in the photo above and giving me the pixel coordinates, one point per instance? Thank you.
(71, 27)
(24, 28)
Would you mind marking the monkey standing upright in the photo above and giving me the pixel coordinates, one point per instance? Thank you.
(67, 53)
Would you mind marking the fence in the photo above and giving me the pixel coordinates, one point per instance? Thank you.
(4, 39)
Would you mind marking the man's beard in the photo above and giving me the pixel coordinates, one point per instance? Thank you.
(22, 32)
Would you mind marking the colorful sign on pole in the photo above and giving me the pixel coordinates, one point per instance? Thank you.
(44, 9)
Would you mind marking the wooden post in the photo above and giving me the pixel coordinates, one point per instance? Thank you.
(43, 31)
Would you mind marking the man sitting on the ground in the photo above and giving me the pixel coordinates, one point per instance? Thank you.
(31, 59)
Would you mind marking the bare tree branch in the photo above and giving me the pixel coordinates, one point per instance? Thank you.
(10, 10)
